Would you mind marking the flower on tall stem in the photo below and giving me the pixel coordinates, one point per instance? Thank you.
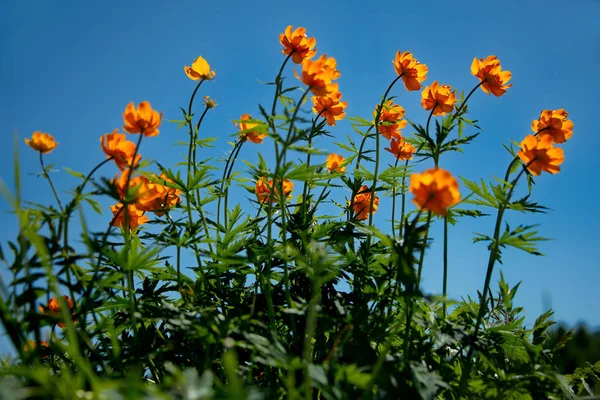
(143, 120)
(252, 131)
(53, 309)
(410, 70)
(42, 142)
(334, 163)
(401, 149)
(296, 43)
(143, 192)
(264, 189)
(490, 73)
(330, 107)
(362, 203)
(391, 120)
(135, 217)
(555, 124)
(439, 98)
(435, 190)
(117, 146)
(319, 75)
(209, 103)
(166, 197)
(200, 69)
(538, 154)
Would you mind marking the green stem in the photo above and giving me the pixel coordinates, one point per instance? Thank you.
(403, 208)
(394, 203)
(445, 283)
(50, 182)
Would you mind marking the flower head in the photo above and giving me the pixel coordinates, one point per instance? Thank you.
(490, 73)
(117, 146)
(141, 120)
(319, 75)
(539, 155)
(362, 203)
(438, 98)
(435, 190)
(330, 107)
(42, 142)
(53, 309)
(31, 345)
(391, 120)
(199, 70)
(334, 163)
(209, 103)
(165, 197)
(401, 149)
(255, 132)
(297, 44)
(143, 191)
(263, 189)
(135, 217)
(411, 71)
(555, 124)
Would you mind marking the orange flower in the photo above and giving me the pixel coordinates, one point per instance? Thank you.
(555, 124)
(401, 149)
(143, 120)
(251, 131)
(330, 107)
(263, 190)
(303, 48)
(390, 120)
(411, 71)
(31, 345)
(135, 218)
(117, 146)
(165, 197)
(334, 163)
(362, 203)
(490, 73)
(438, 98)
(141, 188)
(319, 74)
(435, 190)
(53, 309)
(538, 154)
(42, 142)
(199, 70)
(209, 103)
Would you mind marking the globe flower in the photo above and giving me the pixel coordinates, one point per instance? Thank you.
(391, 120)
(297, 44)
(53, 309)
(410, 70)
(143, 120)
(330, 107)
(362, 203)
(538, 154)
(435, 190)
(263, 190)
(165, 197)
(135, 217)
(490, 73)
(438, 98)
(318, 75)
(144, 192)
(31, 345)
(334, 163)
(209, 103)
(255, 132)
(117, 146)
(401, 149)
(42, 142)
(555, 124)
(199, 70)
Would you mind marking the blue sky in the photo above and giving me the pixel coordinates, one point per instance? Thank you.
(70, 69)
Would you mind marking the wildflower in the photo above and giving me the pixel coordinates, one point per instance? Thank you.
(135, 216)
(165, 197)
(391, 120)
(539, 155)
(143, 191)
(263, 190)
(42, 142)
(330, 107)
(490, 73)
(144, 120)
(53, 309)
(297, 44)
(411, 71)
(334, 163)
(117, 146)
(401, 149)
(435, 190)
(199, 70)
(319, 74)
(438, 98)
(209, 103)
(251, 130)
(555, 124)
(362, 203)
(31, 345)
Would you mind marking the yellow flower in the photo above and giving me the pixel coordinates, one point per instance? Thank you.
(411, 71)
(166, 197)
(117, 146)
(334, 163)
(143, 120)
(391, 120)
(539, 155)
(42, 142)
(255, 132)
(330, 107)
(199, 70)
(319, 75)
(401, 149)
(555, 124)
(263, 190)
(435, 190)
(490, 73)
(298, 43)
(362, 203)
(438, 98)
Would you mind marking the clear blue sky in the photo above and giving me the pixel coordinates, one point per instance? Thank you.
(70, 67)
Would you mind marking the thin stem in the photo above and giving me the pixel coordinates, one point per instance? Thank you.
(306, 189)
(50, 182)
(394, 203)
(402, 212)
(445, 283)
